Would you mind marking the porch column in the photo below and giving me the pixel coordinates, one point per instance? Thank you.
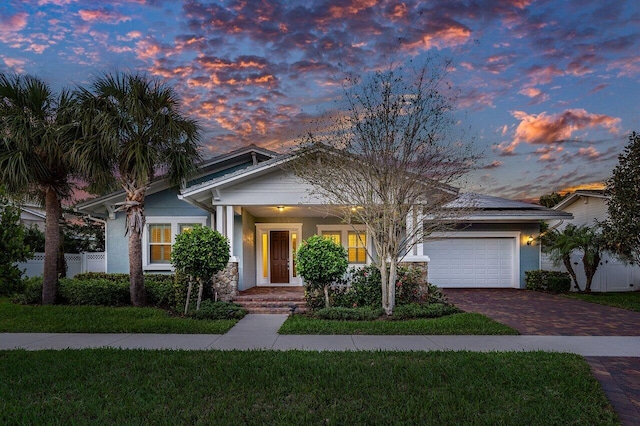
(416, 236)
(219, 220)
(229, 228)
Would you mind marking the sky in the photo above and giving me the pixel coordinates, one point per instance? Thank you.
(549, 90)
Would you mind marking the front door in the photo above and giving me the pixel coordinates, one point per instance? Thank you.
(279, 257)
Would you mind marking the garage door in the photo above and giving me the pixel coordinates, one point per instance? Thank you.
(472, 262)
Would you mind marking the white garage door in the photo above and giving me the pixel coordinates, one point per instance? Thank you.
(472, 262)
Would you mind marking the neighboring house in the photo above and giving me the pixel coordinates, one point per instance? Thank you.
(265, 211)
(588, 207)
(32, 214)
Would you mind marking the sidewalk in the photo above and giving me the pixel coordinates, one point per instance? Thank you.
(260, 331)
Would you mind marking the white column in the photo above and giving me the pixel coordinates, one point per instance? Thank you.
(220, 219)
(229, 227)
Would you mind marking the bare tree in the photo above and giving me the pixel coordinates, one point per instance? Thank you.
(387, 160)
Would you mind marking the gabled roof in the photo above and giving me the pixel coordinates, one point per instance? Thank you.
(594, 193)
(250, 153)
(265, 167)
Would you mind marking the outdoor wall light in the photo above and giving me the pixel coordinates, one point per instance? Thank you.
(530, 240)
(280, 208)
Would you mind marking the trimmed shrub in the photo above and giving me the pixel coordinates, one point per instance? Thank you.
(408, 286)
(86, 276)
(160, 290)
(349, 314)
(320, 263)
(415, 310)
(93, 292)
(435, 295)
(548, 281)
(366, 286)
(210, 310)
(31, 292)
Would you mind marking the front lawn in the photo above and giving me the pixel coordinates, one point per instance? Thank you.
(460, 324)
(99, 319)
(107, 386)
(626, 300)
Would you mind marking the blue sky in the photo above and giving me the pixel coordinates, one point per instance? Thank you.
(549, 89)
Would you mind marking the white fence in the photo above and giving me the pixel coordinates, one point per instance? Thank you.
(76, 264)
(611, 275)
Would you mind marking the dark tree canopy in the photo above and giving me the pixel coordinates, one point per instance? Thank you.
(622, 229)
(550, 200)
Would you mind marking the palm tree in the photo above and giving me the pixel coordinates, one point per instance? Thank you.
(134, 129)
(36, 130)
(589, 240)
(559, 245)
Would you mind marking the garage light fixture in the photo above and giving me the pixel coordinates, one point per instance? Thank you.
(530, 240)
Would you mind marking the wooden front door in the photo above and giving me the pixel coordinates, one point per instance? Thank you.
(280, 257)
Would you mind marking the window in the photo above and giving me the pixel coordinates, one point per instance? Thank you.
(353, 240)
(159, 236)
(332, 235)
(357, 247)
(160, 243)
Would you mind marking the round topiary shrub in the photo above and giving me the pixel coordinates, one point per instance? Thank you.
(320, 262)
(199, 254)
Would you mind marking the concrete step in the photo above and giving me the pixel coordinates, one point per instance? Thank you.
(265, 306)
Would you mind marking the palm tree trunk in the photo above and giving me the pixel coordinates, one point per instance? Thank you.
(590, 269)
(566, 260)
(51, 247)
(136, 276)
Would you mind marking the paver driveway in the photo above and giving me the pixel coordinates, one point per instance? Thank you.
(534, 313)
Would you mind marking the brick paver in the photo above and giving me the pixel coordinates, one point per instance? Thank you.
(534, 313)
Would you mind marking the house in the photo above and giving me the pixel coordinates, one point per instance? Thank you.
(265, 211)
(588, 207)
(32, 214)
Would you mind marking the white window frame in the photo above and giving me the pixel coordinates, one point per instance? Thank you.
(344, 237)
(175, 222)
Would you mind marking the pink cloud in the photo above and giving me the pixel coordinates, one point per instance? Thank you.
(545, 129)
(537, 96)
(102, 15)
(590, 153)
(548, 154)
(15, 64)
(13, 23)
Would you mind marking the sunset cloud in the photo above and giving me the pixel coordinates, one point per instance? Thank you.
(13, 23)
(544, 129)
(103, 16)
(549, 90)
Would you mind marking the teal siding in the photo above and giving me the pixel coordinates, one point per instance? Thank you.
(117, 245)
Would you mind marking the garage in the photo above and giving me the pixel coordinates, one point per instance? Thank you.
(473, 262)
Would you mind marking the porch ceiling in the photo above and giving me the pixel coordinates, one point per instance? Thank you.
(289, 211)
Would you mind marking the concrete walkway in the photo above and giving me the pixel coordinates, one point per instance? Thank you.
(260, 331)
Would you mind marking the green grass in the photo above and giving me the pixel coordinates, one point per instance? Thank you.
(460, 324)
(626, 300)
(97, 319)
(298, 388)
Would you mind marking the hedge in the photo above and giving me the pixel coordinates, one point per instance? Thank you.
(548, 281)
